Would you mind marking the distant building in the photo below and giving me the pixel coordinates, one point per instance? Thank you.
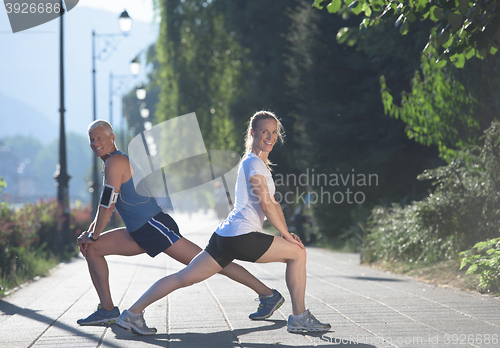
(20, 177)
(8, 170)
(27, 183)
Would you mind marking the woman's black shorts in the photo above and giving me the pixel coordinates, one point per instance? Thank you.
(246, 247)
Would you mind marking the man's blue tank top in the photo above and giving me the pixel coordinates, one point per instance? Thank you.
(135, 209)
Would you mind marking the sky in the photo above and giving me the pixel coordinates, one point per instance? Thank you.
(142, 9)
(29, 64)
(29, 73)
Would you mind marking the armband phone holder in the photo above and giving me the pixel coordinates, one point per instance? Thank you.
(108, 196)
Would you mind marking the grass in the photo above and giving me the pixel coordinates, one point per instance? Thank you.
(41, 269)
(442, 273)
(34, 265)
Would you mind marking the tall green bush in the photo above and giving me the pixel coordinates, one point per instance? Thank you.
(463, 210)
(28, 239)
(26, 234)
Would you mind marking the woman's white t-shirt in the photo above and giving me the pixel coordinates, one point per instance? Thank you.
(247, 215)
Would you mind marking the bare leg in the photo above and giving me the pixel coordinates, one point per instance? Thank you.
(202, 267)
(295, 258)
(242, 276)
(114, 242)
(184, 251)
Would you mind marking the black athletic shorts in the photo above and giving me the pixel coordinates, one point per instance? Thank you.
(246, 247)
(156, 235)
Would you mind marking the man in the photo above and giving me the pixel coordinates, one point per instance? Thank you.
(147, 229)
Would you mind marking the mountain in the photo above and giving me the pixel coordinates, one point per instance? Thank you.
(29, 71)
(17, 117)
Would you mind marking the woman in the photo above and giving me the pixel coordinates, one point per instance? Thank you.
(240, 237)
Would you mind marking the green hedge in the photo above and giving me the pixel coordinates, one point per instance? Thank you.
(463, 209)
(28, 245)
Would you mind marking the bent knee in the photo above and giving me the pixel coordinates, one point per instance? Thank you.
(300, 254)
(94, 250)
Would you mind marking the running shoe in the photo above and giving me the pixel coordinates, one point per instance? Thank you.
(136, 324)
(306, 322)
(267, 306)
(101, 317)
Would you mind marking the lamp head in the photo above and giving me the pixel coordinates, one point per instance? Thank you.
(140, 92)
(134, 66)
(125, 22)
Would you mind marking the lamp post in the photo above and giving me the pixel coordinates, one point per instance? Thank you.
(125, 23)
(61, 174)
(145, 115)
(134, 69)
(144, 111)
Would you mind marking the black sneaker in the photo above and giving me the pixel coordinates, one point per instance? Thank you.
(101, 317)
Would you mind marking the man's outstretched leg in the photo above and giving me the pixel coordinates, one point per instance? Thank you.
(115, 242)
(270, 300)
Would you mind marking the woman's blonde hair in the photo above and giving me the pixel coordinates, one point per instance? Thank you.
(252, 124)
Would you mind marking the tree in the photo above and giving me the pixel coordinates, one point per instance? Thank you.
(438, 110)
(445, 106)
(289, 63)
(462, 29)
(200, 69)
(41, 160)
(340, 122)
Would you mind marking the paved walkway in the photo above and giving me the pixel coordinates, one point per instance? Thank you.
(366, 308)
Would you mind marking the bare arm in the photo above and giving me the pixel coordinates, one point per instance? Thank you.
(113, 176)
(280, 211)
(271, 208)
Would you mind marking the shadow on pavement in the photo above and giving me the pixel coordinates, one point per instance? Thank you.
(9, 309)
(227, 338)
(375, 279)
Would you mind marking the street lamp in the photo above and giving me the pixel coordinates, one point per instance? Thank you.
(61, 174)
(144, 111)
(125, 23)
(112, 79)
(112, 91)
(140, 92)
(134, 66)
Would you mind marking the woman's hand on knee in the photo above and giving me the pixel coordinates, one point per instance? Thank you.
(293, 238)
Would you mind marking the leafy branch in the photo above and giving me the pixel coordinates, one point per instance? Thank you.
(484, 259)
(462, 29)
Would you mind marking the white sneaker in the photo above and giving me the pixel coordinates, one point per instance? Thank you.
(307, 322)
(136, 325)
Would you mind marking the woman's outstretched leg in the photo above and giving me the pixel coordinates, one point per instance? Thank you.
(184, 251)
(202, 267)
